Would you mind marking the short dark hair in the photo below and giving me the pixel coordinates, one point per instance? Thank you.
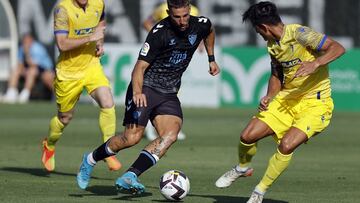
(178, 3)
(264, 12)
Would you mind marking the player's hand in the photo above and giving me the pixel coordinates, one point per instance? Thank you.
(98, 34)
(213, 68)
(264, 103)
(99, 50)
(139, 99)
(306, 68)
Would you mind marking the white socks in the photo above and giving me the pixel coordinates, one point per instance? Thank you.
(90, 159)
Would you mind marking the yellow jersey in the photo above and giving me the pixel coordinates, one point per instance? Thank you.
(76, 22)
(299, 44)
(160, 12)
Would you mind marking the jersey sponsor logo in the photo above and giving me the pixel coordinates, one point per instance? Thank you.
(292, 63)
(84, 31)
(136, 114)
(157, 28)
(192, 39)
(145, 49)
(177, 57)
(172, 42)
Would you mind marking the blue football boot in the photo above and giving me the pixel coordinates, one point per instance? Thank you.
(129, 183)
(84, 175)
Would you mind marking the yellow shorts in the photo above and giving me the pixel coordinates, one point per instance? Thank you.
(309, 115)
(68, 91)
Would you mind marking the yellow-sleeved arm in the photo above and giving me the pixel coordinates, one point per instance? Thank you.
(309, 38)
(61, 20)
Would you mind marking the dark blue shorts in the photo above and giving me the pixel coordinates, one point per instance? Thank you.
(157, 104)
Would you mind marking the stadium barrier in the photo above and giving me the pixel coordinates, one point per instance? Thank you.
(242, 82)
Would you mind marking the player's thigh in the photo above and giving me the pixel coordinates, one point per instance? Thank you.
(255, 130)
(167, 117)
(102, 95)
(67, 93)
(95, 78)
(278, 118)
(314, 116)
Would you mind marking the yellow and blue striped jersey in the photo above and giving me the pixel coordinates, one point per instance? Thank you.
(299, 44)
(160, 12)
(76, 22)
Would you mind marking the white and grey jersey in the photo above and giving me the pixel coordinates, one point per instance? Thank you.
(169, 52)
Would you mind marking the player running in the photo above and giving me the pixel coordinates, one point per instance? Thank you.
(152, 93)
(79, 27)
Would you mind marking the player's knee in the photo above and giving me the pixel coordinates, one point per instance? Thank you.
(247, 138)
(65, 119)
(130, 139)
(172, 138)
(168, 139)
(285, 148)
(107, 105)
(115, 143)
(32, 71)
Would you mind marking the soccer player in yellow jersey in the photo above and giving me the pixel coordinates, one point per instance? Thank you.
(298, 102)
(79, 27)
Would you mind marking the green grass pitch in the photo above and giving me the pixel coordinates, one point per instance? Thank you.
(326, 169)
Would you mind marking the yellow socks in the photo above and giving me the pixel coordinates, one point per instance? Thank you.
(246, 152)
(56, 130)
(277, 164)
(107, 122)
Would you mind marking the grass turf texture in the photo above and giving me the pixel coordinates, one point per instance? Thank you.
(324, 170)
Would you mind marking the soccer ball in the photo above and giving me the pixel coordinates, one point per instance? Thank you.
(174, 185)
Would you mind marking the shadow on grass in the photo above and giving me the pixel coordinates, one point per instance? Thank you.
(131, 197)
(232, 199)
(110, 191)
(40, 172)
(98, 190)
